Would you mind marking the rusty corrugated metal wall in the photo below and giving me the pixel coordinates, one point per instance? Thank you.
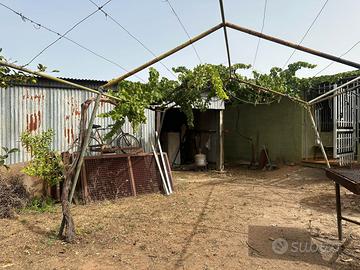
(46, 105)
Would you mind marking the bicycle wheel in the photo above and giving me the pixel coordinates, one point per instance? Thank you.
(128, 143)
(93, 146)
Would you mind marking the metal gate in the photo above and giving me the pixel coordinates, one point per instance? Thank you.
(345, 112)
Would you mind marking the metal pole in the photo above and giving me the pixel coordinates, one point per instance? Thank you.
(293, 45)
(47, 76)
(318, 137)
(324, 96)
(160, 170)
(338, 210)
(225, 34)
(157, 138)
(85, 145)
(272, 91)
(162, 56)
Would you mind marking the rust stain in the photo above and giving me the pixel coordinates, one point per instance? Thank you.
(69, 134)
(33, 121)
(34, 98)
(74, 106)
(67, 117)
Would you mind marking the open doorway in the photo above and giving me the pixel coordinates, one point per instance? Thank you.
(183, 142)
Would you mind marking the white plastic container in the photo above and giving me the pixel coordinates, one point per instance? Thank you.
(200, 160)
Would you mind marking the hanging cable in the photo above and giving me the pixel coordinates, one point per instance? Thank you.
(262, 29)
(107, 15)
(184, 28)
(307, 32)
(332, 62)
(68, 31)
(38, 26)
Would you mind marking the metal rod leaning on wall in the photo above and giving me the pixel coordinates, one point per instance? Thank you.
(53, 78)
(84, 145)
(160, 170)
(163, 163)
(318, 136)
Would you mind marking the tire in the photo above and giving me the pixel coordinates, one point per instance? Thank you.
(128, 143)
(94, 146)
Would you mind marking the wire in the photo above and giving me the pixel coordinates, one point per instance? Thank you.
(184, 28)
(307, 32)
(38, 26)
(68, 31)
(262, 29)
(131, 35)
(332, 62)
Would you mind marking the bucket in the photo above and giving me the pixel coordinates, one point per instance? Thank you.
(200, 160)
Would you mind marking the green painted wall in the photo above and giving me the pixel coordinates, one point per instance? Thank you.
(283, 127)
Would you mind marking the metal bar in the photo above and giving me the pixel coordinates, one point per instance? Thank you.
(350, 220)
(225, 34)
(162, 56)
(47, 76)
(273, 91)
(293, 45)
(169, 170)
(335, 95)
(160, 170)
(338, 210)
(157, 138)
(332, 91)
(318, 137)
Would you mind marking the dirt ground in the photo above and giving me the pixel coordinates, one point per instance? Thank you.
(241, 219)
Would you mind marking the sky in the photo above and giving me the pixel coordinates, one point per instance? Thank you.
(153, 22)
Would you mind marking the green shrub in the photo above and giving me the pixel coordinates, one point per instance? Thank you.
(41, 205)
(6, 155)
(46, 163)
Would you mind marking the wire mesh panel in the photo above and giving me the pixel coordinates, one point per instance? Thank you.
(107, 178)
(114, 176)
(146, 175)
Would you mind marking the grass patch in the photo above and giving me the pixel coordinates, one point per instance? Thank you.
(41, 205)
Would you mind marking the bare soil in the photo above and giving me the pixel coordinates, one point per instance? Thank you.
(214, 220)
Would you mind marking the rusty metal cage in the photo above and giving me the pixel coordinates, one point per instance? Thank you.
(109, 177)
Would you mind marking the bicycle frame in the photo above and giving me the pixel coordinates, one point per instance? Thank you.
(97, 135)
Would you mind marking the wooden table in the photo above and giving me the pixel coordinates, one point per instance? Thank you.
(349, 179)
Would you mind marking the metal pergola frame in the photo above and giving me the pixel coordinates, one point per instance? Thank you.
(224, 25)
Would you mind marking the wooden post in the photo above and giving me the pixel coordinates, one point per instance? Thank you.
(132, 180)
(220, 129)
(84, 145)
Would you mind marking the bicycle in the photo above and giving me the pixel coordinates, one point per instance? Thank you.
(122, 142)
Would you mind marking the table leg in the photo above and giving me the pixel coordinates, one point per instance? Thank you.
(338, 210)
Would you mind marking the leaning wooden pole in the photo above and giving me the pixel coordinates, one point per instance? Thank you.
(293, 45)
(318, 137)
(66, 202)
(162, 56)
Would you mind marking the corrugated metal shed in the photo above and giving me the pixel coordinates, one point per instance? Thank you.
(51, 105)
